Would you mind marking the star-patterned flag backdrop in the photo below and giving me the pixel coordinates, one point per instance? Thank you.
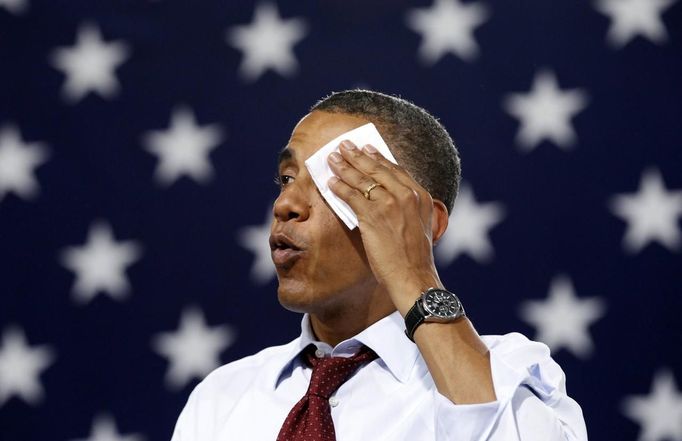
(137, 150)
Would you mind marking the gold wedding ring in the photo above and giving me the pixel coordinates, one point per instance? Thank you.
(370, 188)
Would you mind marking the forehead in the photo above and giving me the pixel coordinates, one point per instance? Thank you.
(315, 130)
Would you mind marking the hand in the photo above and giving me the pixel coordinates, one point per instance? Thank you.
(396, 222)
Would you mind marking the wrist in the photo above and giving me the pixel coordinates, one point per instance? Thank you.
(405, 292)
(434, 305)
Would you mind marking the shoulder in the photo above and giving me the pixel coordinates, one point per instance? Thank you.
(218, 394)
(252, 365)
(240, 374)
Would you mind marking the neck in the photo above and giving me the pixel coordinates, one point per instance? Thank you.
(333, 325)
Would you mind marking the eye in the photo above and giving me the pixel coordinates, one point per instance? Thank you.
(283, 180)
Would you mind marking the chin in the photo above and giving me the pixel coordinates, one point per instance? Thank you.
(295, 296)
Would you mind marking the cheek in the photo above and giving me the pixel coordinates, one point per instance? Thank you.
(338, 258)
(341, 251)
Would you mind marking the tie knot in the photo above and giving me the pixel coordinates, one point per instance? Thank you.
(330, 373)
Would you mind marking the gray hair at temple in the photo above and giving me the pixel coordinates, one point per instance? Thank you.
(418, 141)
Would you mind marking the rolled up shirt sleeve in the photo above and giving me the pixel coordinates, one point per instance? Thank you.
(531, 405)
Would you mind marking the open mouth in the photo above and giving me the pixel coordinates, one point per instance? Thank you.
(284, 250)
(280, 241)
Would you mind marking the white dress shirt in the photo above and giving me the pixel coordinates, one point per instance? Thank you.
(392, 398)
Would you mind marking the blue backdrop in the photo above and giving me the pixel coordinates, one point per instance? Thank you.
(138, 142)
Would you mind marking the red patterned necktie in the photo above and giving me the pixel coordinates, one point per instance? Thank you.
(311, 418)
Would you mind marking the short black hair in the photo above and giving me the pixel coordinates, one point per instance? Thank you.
(417, 139)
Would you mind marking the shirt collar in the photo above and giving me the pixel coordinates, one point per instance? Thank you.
(386, 337)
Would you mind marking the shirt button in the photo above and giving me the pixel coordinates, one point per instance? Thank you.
(333, 401)
(319, 353)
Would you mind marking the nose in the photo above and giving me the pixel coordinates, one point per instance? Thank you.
(291, 204)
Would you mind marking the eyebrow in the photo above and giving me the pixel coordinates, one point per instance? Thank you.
(284, 155)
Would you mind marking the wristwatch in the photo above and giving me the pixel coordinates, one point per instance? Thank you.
(434, 305)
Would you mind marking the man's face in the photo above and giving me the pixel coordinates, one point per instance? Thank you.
(321, 265)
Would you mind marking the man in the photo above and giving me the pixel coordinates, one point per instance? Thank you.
(361, 290)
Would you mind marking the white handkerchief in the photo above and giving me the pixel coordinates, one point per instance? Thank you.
(319, 168)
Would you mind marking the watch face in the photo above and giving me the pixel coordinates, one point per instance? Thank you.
(442, 304)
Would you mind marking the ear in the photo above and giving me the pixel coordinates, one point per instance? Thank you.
(439, 220)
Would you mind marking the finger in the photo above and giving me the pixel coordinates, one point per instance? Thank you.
(394, 177)
(353, 177)
(401, 174)
(368, 166)
(404, 177)
(349, 195)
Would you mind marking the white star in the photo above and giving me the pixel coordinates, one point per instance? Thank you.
(100, 264)
(651, 214)
(20, 367)
(255, 238)
(104, 429)
(89, 65)
(562, 319)
(468, 229)
(630, 18)
(447, 27)
(545, 112)
(267, 43)
(183, 149)
(18, 161)
(15, 6)
(659, 414)
(193, 351)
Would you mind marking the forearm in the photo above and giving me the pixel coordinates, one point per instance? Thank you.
(530, 404)
(458, 361)
(457, 358)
